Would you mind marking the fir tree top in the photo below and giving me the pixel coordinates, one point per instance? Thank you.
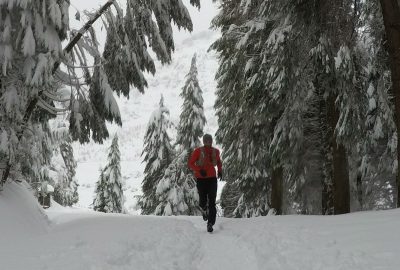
(157, 148)
(192, 119)
(109, 194)
(114, 155)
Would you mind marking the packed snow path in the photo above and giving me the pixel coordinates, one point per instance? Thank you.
(93, 241)
(221, 250)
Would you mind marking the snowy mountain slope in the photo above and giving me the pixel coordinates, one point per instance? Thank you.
(168, 81)
(89, 240)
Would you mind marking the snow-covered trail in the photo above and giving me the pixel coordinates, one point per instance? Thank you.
(106, 242)
(358, 241)
(101, 241)
(86, 240)
(222, 250)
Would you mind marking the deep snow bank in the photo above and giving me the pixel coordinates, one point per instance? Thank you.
(20, 213)
(94, 241)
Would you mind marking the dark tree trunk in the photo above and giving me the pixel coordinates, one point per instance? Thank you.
(391, 19)
(326, 135)
(341, 185)
(340, 175)
(277, 190)
(359, 191)
(327, 198)
(335, 179)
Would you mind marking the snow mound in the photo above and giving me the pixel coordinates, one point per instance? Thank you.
(20, 213)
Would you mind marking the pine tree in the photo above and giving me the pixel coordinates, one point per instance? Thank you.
(306, 91)
(62, 166)
(66, 187)
(245, 126)
(36, 156)
(124, 60)
(32, 32)
(99, 203)
(391, 17)
(192, 120)
(158, 154)
(320, 67)
(376, 174)
(177, 193)
(109, 194)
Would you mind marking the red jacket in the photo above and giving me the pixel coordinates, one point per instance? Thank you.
(199, 162)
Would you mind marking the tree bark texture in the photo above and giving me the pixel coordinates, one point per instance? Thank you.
(391, 19)
(277, 190)
(340, 175)
(360, 191)
(326, 135)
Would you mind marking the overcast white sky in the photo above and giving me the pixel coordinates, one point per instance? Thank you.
(201, 19)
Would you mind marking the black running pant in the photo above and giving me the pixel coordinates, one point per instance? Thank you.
(207, 188)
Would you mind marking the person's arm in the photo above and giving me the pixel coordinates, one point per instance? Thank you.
(192, 160)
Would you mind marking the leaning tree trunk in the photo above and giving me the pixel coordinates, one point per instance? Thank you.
(33, 102)
(277, 190)
(391, 19)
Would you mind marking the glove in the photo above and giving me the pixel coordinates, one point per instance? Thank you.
(220, 175)
(203, 173)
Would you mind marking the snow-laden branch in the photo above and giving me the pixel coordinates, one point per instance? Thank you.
(83, 30)
(54, 97)
(53, 110)
(68, 80)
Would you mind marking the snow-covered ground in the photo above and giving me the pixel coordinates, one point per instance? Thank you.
(136, 110)
(76, 239)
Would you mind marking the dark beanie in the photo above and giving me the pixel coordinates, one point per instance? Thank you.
(207, 138)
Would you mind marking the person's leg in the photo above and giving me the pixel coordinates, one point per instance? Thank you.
(201, 188)
(212, 195)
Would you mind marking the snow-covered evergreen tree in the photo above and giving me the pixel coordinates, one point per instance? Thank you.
(62, 168)
(176, 191)
(35, 157)
(307, 94)
(31, 32)
(109, 197)
(130, 33)
(66, 186)
(391, 19)
(245, 120)
(158, 154)
(99, 203)
(376, 151)
(314, 80)
(192, 119)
